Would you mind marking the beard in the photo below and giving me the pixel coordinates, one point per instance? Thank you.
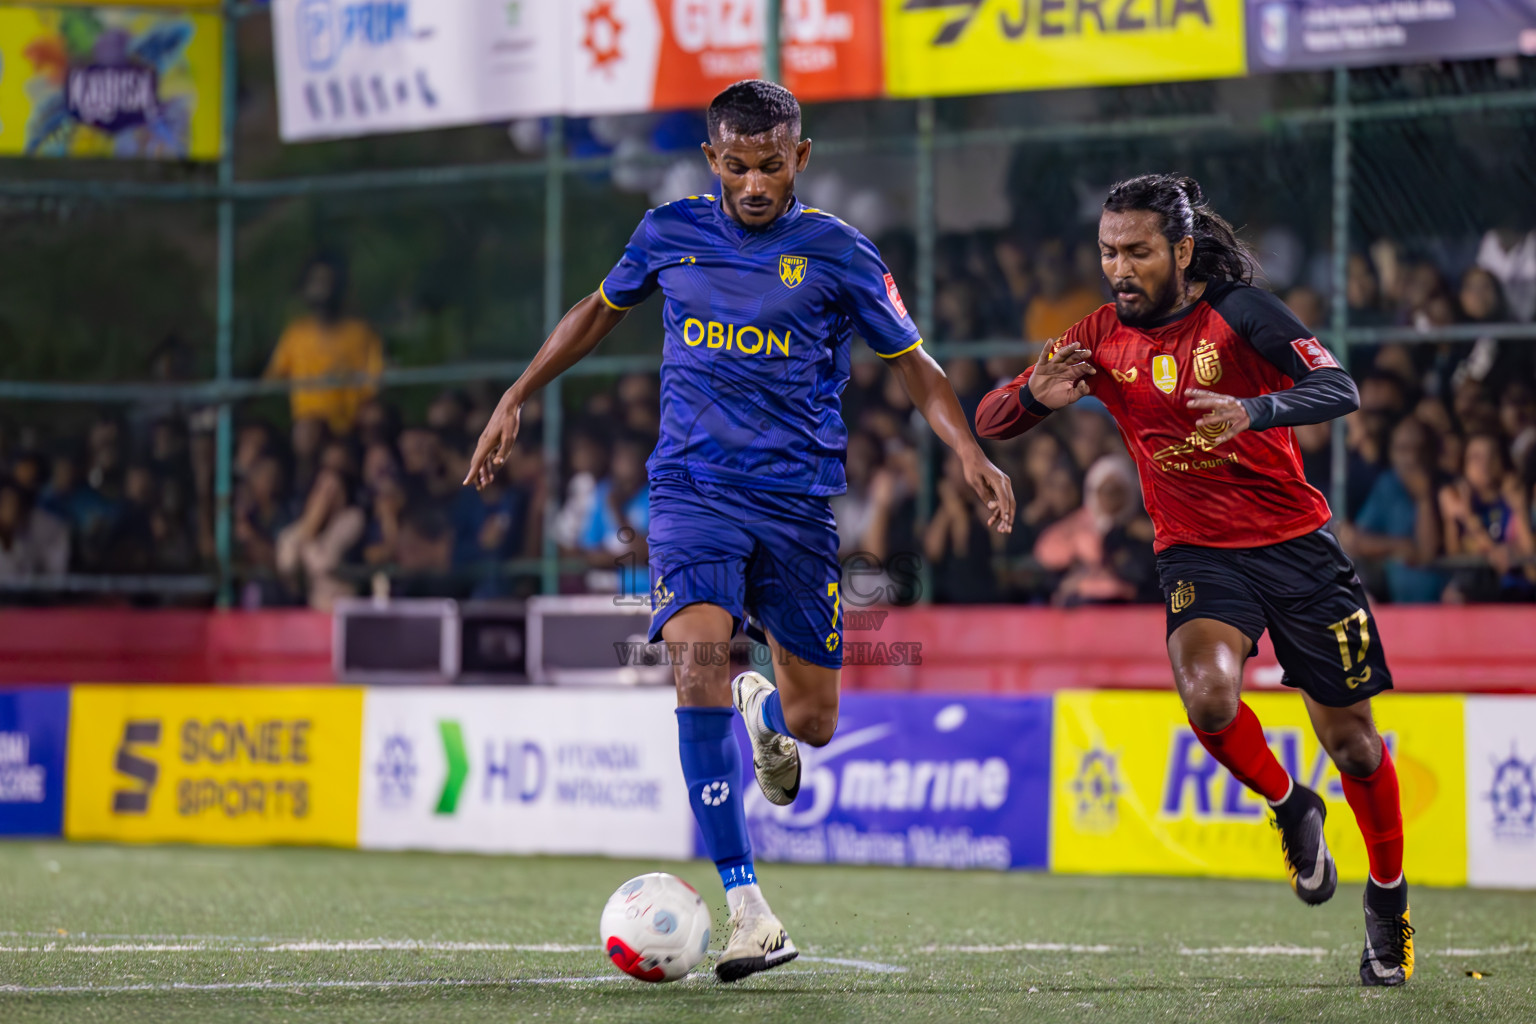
(1153, 308)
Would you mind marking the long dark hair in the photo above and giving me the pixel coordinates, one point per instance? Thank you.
(1219, 255)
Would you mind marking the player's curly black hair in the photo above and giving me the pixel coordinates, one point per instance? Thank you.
(753, 107)
(1219, 254)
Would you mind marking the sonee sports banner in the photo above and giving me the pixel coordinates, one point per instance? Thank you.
(205, 764)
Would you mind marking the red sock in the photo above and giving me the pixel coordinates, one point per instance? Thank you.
(1241, 748)
(1374, 799)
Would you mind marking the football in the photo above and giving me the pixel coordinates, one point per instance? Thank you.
(655, 927)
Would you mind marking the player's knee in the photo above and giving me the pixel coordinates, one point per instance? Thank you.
(813, 724)
(1355, 752)
(702, 685)
(1210, 694)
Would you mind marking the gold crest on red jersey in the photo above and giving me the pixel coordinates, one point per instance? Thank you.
(1207, 364)
(1125, 376)
(1165, 373)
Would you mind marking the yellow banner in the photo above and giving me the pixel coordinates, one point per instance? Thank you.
(204, 764)
(1134, 792)
(110, 83)
(971, 46)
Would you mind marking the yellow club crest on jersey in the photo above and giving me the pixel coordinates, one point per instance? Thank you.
(792, 270)
(1182, 597)
(1165, 373)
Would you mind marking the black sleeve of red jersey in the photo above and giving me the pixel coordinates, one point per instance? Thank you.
(1322, 390)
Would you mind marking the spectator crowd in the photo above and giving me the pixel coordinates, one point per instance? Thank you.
(346, 497)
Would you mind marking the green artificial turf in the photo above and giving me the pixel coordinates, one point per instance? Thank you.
(105, 933)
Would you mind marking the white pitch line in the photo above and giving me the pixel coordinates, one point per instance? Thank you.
(862, 965)
(1256, 951)
(1494, 951)
(279, 986)
(1027, 947)
(318, 946)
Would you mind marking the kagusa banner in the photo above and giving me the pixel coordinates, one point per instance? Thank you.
(918, 781)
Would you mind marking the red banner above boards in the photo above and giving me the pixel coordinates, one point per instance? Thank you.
(953, 649)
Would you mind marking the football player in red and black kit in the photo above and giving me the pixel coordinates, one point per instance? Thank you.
(1204, 374)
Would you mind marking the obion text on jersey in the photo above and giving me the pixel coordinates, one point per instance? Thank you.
(746, 338)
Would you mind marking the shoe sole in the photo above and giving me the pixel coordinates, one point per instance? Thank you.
(735, 970)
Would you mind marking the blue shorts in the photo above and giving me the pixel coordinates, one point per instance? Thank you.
(769, 559)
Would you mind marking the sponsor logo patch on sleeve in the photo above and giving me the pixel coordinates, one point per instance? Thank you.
(895, 296)
(1315, 354)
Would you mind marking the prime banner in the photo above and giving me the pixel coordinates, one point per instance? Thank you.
(1285, 35)
(1135, 792)
(917, 781)
(34, 731)
(110, 82)
(524, 771)
(214, 764)
(948, 47)
(352, 68)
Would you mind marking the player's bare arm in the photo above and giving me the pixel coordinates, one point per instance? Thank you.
(934, 397)
(587, 324)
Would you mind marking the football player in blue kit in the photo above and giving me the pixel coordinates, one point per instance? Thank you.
(763, 298)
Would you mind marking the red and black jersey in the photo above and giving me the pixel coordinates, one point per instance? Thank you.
(1237, 340)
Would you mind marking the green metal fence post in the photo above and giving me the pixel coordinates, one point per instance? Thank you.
(927, 271)
(225, 341)
(554, 285)
(773, 43)
(1338, 487)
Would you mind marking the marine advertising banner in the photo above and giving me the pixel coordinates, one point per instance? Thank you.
(948, 47)
(110, 82)
(917, 781)
(1135, 793)
(214, 764)
(1288, 35)
(34, 731)
(1501, 791)
(524, 771)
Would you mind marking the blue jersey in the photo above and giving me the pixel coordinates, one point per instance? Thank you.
(757, 332)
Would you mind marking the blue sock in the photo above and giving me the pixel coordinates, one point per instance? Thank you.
(712, 768)
(773, 715)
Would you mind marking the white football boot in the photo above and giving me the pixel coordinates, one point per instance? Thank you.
(758, 942)
(775, 758)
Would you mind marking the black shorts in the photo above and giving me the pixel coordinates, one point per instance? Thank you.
(1304, 591)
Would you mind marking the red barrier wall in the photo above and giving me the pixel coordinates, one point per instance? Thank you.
(1488, 648)
(972, 650)
(119, 646)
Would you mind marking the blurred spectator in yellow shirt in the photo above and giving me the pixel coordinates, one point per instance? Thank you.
(1062, 298)
(324, 344)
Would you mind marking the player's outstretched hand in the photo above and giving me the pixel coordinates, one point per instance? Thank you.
(1061, 374)
(1220, 411)
(495, 444)
(994, 489)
